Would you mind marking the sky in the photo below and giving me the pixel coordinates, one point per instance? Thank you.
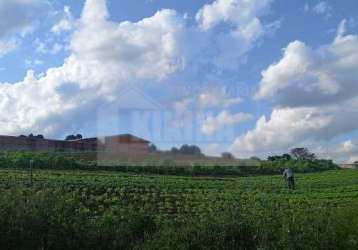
(251, 77)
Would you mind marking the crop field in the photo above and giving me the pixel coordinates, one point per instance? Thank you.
(323, 208)
(172, 196)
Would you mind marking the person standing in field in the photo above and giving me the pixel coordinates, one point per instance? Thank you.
(288, 175)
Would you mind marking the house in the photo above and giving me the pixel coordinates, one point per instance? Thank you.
(349, 166)
(126, 143)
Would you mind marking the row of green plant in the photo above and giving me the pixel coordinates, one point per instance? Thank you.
(62, 161)
(53, 219)
(180, 197)
(17, 159)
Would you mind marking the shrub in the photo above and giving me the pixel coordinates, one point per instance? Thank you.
(62, 162)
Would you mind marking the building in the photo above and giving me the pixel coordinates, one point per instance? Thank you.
(114, 144)
(349, 166)
(126, 144)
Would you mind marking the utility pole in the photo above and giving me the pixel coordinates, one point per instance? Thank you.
(31, 167)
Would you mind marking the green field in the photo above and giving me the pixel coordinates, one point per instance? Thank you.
(127, 211)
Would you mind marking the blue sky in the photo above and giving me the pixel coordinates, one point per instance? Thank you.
(253, 77)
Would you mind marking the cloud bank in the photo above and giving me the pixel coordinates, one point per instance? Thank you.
(314, 93)
(107, 56)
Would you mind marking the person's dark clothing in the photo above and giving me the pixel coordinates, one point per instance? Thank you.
(288, 175)
(291, 182)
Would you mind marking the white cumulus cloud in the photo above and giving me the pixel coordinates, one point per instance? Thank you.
(213, 123)
(243, 20)
(105, 56)
(305, 76)
(18, 17)
(281, 131)
(343, 152)
(242, 13)
(314, 93)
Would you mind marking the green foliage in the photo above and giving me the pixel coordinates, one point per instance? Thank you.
(186, 150)
(284, 157)
(227, 155)
(223, 231)
(54, 220)
(61, 161)
(41, 160)
(73, 137)
(152, 148)
(99, 210)
(302, 154)
(300, 166)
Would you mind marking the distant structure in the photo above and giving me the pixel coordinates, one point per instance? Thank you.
(125, 143)
(349, 166)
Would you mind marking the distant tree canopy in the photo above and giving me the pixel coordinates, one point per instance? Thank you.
(255, 158)
(187, 150)
(302, 154)
(190, 150)
(33, 136)
(227, 155)
(285, 157)
(73, 137)
(274, 158)
(295, 154)
(174, 150)
(152, 148)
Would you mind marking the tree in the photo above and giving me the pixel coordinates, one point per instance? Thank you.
(174, 150)
(286, 157)
(190, 150)
(227, 155)
(302, 154)
(73, 137)
(70, 138)
(152, 148)
(274, 158)
(185, 149)
(255, 158)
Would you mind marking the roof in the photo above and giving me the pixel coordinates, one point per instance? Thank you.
(121, 138)
(127, 138)
(25, 139)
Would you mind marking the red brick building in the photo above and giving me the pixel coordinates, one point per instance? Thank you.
(126, 143)
(115, 144)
